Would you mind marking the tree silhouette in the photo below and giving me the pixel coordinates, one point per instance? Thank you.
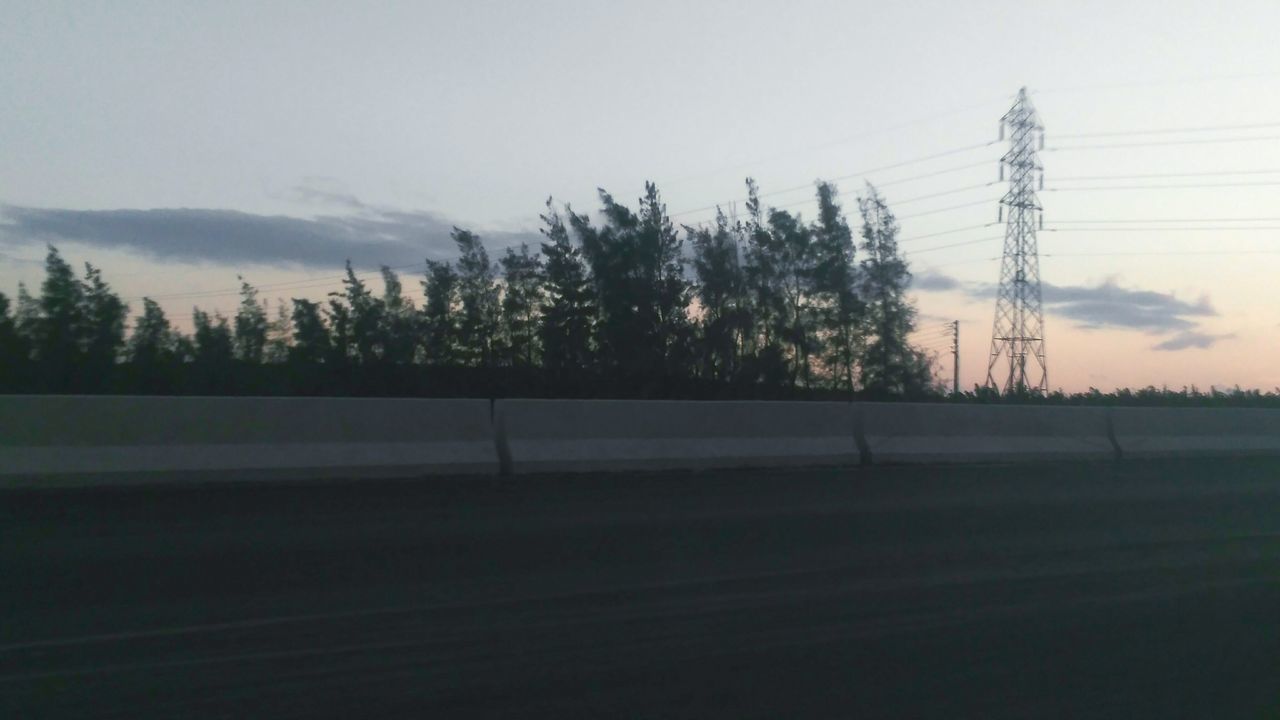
(567, 321)
(439, 321)
(521, 303)
(478, 300)
(891, 366)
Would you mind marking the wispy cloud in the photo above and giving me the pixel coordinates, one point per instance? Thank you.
(1191, 339)
(934, 282)
(1109, 305)
(366, 235)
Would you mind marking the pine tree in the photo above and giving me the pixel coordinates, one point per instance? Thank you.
(721, 292)
(153, 342)
(439, 311)
(836, 285)
(638, 272)
(213, 346)
(521, 302)
(59, 327)
(566, 324)
(15, 351)
(890, 366)
(311, 342)
(367, 322)
(400, 323)
(478, 298)
(279, 336)
(764, 280)
(250, 338)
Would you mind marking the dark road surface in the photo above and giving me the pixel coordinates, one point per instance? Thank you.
(1113, 590)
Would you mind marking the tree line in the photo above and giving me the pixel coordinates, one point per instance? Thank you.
(627, 304)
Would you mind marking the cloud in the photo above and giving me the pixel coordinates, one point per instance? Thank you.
(934, 282)
(1109, 305)
(367, 236)
(1190, 339)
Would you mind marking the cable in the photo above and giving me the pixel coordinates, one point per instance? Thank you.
(1165, 252)
(993, 201)
(1169, 131)
(1168, 220)
(1153, 83)
(1162, 187)
(1161, 229)
(838, 141)
(861, 173)
(1160, 175)
(944, 232)
(1160, 142)
(952, 245)
(303, 283)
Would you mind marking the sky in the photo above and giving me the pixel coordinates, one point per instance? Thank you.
(178, 145)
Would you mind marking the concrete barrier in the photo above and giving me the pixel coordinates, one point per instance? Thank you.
(937, 433)
(72, 440)
(585, 435)
(1174, 432)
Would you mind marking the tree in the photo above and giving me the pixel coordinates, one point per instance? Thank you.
(521, 303)
(279, 335)
(794, 262)
(835, 281)
(439, 322)
(478, 300)
(310, 336)
(104, 316)
(250, 326)
(213, 346)
(366, 314)
(764, 279)
(59, 325)
(638, 272)
(721, 292)
(891, 366)
(15, 351)
(153, 342)
(400, 324)
(566, 325)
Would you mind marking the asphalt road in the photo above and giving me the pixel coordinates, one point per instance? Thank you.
(1112, 590)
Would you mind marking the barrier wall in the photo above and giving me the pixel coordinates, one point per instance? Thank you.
(77, 439)
(582, 435)
(1174, 432)
(924, 433)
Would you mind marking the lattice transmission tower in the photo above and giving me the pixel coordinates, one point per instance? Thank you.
(1017, 337)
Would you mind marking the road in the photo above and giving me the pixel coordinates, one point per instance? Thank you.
(1110, 590)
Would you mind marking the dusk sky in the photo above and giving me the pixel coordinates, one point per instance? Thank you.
(177, 145)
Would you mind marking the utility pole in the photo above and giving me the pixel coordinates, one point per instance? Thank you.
(955, 357)
(1017, 335)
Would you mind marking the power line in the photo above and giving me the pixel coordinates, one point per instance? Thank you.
(300, 284)
(829, 143)
(1163, 186)
(1160, 175)
(953, 245)
(1167, 220)
(1109, 146)
(1163, 229)
(948, 209)
(945, 232)
(861, 173)
(1154, 83)
(1167, 252)
(1169, 131)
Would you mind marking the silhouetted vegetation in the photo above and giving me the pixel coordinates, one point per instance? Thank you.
(769, 307)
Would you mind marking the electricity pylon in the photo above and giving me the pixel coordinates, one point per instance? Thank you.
(1017, 361)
